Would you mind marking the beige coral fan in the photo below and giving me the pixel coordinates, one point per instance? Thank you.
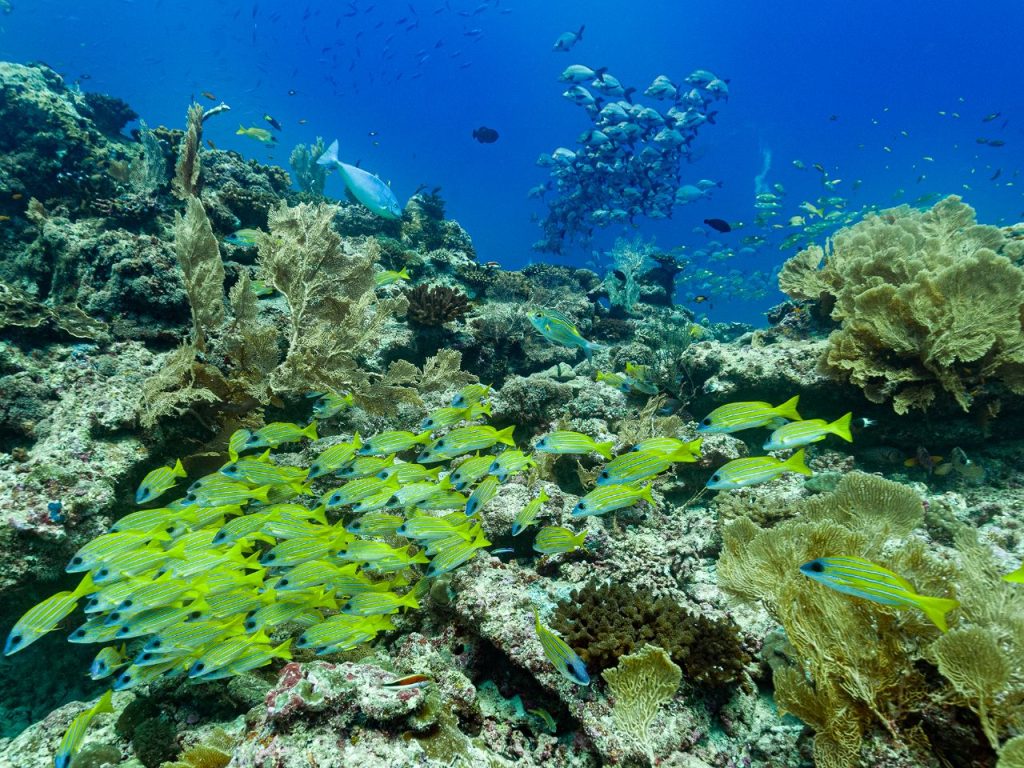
(640, 684)
(927, 301)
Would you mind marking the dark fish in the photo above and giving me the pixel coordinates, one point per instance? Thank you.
(819, 167)
(719, 225)
(273, 123)
(981, 140)
(996, 143)
(619, 274)
(208, 95)
(701, 299)
(833, 118)
(996, 175)
(211, 144)
(291, 91)
(485, 135)
(990, 118)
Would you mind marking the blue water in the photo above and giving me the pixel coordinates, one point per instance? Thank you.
(422, 85)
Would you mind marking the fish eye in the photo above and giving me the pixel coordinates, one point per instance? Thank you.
(128, 603)
(581, 505)
(76, 560)
(103, 572)
(706, 421)
(200, 666)
(270, 556)
(816, 566)
(144, 490)
(191, 497)
(124, 630)
(716, 477)
(605, 474)
(440, 443)
(195, 614)
(126, 678)
(231, 468)
(115, 616)
(76, 633)
(16, 640)
(157, 643)
(393, 500)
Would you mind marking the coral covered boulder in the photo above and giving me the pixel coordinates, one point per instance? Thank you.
(928, 302)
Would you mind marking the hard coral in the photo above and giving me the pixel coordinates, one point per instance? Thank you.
(604, 622)
(436, 305)
(928, 302)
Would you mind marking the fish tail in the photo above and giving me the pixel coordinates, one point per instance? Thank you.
(260, 494)
(357, 441)
(178, 471)
(936, 608)
(330, 157)
(788, 409)
(283, 651)
(404, 274)
(600, 73)
(627, 94)
(505, 436)
(422, 438)
(310, 431)
(1015, 577)
(605, 449)
(796, 463)
(241, 130)
(645, 494)
(85, 586)
(104, 704)
(841, 427)
(589, 347)
(694, 446)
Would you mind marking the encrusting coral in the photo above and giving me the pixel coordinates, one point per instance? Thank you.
(927, 301)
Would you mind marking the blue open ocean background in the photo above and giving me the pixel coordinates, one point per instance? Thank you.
(856, 87)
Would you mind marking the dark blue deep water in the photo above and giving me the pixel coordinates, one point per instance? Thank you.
(887, 96)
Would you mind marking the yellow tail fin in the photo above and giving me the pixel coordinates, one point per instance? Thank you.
(605, 449)
(505, 436)
(796, 463)
(310, 431)
(936, 608)
(841, 427)
(104, 704)
(788, 409)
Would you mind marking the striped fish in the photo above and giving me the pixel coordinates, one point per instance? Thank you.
(862, 578)
(334, 458)
(798, 433)
(554, 539)
(157, 481)
(739, 473)
(671, 445)
(565, 659)
(736, 416)
(75, 734)
(454, 552)
(483, 493)
(639, 465)
(567, 442)
(44, 617)
(392, 442)
(524, 517)
(608, 498)
(471, 394)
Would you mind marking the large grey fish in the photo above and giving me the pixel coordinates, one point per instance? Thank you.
(365, 187)
(567, 40)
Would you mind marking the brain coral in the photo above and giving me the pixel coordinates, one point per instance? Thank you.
(927, 302)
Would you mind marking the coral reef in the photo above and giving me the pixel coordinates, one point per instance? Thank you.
(605, 622)
(309, 177)
(907, 288)
(436, 305)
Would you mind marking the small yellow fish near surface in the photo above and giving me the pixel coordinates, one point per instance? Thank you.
(862, 578)
(798, 433)
(736, 416)
(739, 473)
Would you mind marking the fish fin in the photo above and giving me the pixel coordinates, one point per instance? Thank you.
(627, 94)
(260, 494)
(404, 274)
(422, 438)
(796, 463)
(841, 427)
(330, 156)
(357, 441)
(579, 35)
(283, 651)
(319, 514)
(694, 446)
(505, 436)
(600, 73)
(788, 409)
(605, 449)
(85, 586)
(936, 608)
(104, 704)
(310, 431)
(590, 347)
(645, 494)
(178, 552)
(178, 470)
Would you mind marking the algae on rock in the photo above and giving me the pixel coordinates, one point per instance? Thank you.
(927, 301)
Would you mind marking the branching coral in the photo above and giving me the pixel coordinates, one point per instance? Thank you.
(335, 317)
(928, 302)
(859, 660)
(436, 305)
(640, 684)
(631, 259)
(309, 176)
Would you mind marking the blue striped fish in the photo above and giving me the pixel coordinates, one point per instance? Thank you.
(565, 659)
(862, 578)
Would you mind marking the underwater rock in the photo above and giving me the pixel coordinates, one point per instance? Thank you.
(240, 193)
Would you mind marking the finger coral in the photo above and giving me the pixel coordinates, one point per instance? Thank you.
(928, 302)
